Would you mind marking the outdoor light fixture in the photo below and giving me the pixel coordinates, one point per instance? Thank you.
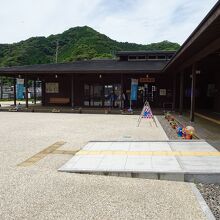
(100, 76)
(56, 76)
(147, 76)
(19, 76)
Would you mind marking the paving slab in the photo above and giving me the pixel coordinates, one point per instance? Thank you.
(162, 159)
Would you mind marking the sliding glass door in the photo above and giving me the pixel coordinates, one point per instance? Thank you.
(97, 95)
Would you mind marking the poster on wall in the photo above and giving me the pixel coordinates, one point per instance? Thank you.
(163, 92)
(52, 88)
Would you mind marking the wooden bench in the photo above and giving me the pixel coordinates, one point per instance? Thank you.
(54, 100)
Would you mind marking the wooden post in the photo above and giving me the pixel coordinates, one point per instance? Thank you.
(15, 94)
(26, 91)
(72, 91)
(192, 107)
(43, 99)
(174, 92)
(35, 93)
(1, 87)
(122, 91)
(103, 92)
(181, 93)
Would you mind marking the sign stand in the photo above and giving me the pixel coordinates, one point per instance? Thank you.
(146, 113)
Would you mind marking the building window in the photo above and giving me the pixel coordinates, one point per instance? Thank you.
(152, 57)
(132, 58)
(141, 57)
(161, 57)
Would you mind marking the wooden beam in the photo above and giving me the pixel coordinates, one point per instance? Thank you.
(209, 49)
(193, 87)
(181, 93)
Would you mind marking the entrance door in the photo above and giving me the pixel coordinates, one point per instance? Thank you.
(146, 92)
(97, 95)
(93, 94)
(112, 95)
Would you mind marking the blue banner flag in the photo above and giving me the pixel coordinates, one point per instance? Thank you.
(20, 88)
(134, 88)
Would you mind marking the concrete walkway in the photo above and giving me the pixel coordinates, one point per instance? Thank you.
(169, 160)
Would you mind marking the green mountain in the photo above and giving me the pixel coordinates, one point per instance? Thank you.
(77, 43)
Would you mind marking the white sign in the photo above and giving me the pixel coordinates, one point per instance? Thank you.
(134, 81)
(52, 87)
(20, 81)
(163, 92)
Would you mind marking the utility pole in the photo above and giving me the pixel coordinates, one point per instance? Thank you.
(57, 50)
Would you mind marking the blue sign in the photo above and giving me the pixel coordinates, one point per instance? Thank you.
(20, 89)
(134, 88)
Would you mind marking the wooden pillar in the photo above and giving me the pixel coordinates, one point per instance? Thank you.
(72, 91)
(193, 87)
(103, 92)
(26, 91)
(35, 93)
(43, 99)
(181, 93)
(1, 87)
(122, 91)
(15, 94)
(174, 92)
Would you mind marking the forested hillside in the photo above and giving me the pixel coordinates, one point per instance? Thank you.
(77, 43)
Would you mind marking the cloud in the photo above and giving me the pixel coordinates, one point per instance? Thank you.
(140, 21)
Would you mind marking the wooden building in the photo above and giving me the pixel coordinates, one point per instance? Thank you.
(188, 79)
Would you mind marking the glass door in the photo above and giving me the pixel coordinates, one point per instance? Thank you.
(93, 95)
(112, 95)
(108, 92)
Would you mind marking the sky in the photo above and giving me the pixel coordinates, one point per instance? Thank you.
(138, 21)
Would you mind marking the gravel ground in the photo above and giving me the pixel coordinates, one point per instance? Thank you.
(40, 192)
(211, 194)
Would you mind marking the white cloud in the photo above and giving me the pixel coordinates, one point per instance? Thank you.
(140, 21)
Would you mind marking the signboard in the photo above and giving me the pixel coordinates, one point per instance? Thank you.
(147, 80)
(20, 88)
(52, 87)
(163, 92)
(134, 88)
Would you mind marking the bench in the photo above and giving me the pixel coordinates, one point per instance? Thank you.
(54, 100)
